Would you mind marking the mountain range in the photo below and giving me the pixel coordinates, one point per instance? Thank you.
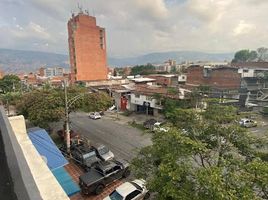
(15, 61)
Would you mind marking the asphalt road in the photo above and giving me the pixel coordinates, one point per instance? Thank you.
(123, 140)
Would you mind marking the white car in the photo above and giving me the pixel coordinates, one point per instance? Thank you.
(247, 123)
(103, 152)
(95, 115)
(133, 190)
(157, 127)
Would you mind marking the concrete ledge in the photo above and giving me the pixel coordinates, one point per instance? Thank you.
(24, 184)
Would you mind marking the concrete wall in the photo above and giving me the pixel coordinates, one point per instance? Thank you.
(24, 184)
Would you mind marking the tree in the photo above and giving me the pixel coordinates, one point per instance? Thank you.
(10, 83)
(42, 107)
(143, 69)
(204, 156)
(245, 56)
(262, 54)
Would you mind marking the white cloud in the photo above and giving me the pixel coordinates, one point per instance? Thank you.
(243, 28)
(139, 26)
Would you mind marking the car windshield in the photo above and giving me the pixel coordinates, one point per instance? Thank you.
(103, 150)
(90, 154)
(115, 196)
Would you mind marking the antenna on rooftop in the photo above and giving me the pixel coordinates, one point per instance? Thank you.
(80, 8)
(93, 13)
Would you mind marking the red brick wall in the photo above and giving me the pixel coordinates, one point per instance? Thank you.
(222, 77)
(87, 57)
(225, 79)
(195, 76)
(161, 80)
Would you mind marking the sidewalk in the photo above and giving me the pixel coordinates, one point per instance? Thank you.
(122, 119)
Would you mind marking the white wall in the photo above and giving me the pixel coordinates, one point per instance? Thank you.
(142, 98)
(246, 72)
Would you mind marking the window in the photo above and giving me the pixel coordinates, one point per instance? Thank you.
(137, 96)
(245, 70)
(149, 98)
(115, 196)
(133, 194)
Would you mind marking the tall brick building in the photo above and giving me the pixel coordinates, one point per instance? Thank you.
(87, 48)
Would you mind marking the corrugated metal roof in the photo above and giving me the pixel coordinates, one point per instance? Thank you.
(47, 148)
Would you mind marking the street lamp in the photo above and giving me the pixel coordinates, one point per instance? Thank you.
(68, 103)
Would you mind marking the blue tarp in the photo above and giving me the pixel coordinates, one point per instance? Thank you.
(47, 148)
(66, 181)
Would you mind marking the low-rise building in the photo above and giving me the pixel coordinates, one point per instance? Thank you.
(254, 83)
(51, 71)
(144, 98)
(164, 79)
(215, 77)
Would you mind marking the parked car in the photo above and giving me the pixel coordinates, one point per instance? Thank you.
(103, 152)
(95, 115)
(113, 107)
(103, 173)
(157, 127)
(129, 191)
(84, 155)
(247, 123)
(149, 123)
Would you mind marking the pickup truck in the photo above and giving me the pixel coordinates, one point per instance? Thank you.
(102, 174)
(84, 155)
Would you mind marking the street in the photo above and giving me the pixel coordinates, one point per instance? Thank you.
(123, 140)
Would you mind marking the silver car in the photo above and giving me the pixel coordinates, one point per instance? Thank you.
(133, 190)
(103, 152)
(95, 115)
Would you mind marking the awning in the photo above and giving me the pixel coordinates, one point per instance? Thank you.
(47, 148)
(66, 181)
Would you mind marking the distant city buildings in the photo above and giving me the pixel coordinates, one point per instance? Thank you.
(51, 72)
(87, 49)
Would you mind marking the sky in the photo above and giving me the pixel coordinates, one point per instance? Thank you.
(136, 27)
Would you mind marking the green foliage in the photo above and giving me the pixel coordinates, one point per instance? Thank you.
(206, 155)
(10, 83)
(42, 107)
(171, 105)
(245, 56)
(143, 69)
(262, 54)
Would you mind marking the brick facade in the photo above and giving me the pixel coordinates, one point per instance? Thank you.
(217, 78)
(87, 49)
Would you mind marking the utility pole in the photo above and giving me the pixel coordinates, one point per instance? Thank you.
(68, 140)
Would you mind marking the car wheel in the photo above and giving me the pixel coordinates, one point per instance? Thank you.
(126, 173)
(99, 189)
(147, 195)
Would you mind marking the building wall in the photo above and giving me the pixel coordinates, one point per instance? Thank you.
(87, 48)
(221, 78)
(139, 99)
(161, 80)
(246, 72)
(182, 78)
